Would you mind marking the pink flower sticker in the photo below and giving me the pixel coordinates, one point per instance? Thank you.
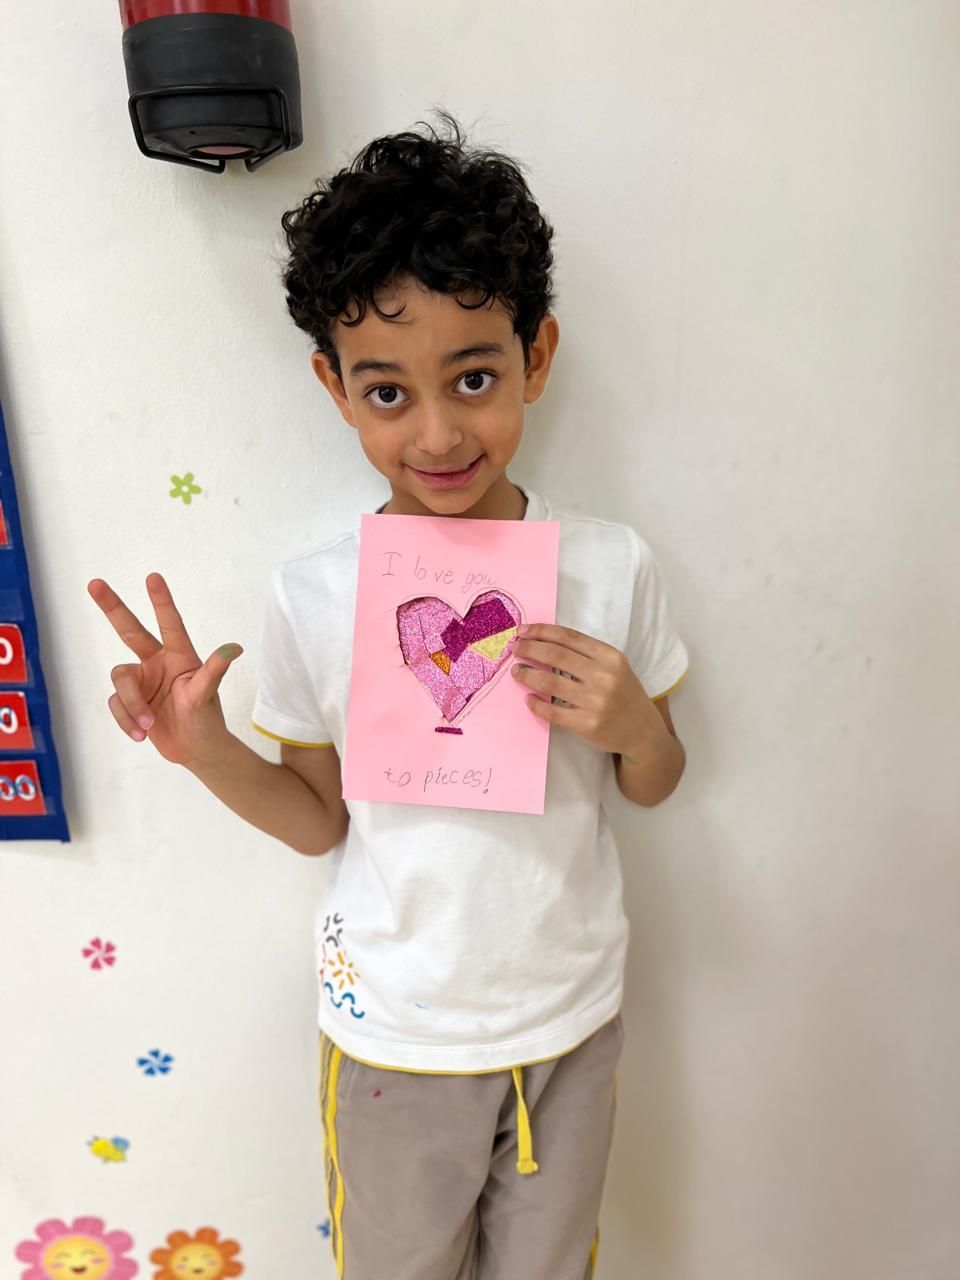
(100, 954)
(82, 1249)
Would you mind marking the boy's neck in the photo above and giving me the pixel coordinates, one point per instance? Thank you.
(502, 501)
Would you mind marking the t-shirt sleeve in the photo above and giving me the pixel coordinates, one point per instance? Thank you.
(654, 649)
(286, 703)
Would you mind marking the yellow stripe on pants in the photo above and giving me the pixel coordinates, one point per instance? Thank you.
(330, 1133)
(330, 1059)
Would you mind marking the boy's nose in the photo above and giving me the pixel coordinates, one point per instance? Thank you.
(437, 436)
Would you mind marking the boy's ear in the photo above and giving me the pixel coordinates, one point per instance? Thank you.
(325, 372)
(542, 350)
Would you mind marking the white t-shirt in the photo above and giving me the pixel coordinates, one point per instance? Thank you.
(460, 940)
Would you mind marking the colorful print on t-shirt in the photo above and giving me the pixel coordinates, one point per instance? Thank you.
(337, 974)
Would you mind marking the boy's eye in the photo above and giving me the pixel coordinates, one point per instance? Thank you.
(391, 391)
(479, 373)
(472, 391)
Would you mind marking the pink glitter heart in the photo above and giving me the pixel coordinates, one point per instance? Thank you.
(455, 657)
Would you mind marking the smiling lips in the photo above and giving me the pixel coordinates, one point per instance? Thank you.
(449, 479)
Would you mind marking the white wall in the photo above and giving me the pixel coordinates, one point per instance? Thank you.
(756, 210)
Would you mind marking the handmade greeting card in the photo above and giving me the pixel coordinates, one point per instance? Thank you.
(434, 716)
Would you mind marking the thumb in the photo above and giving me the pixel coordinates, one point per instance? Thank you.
(206, 680)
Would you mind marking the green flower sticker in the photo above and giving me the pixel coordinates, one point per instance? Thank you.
(183, 487)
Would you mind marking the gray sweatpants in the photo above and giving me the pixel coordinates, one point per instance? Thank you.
(496, 1176)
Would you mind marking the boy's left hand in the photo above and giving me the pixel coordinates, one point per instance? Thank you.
(608, 704)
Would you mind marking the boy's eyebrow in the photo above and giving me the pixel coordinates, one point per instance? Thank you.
(452, 357)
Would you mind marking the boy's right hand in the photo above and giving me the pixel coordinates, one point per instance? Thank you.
(169, 695)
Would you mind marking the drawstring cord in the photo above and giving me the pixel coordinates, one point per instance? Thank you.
(526, 1162)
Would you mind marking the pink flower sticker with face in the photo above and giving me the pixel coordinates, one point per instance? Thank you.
(83, 1249)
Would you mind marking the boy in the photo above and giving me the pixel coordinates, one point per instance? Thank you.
(471, 962)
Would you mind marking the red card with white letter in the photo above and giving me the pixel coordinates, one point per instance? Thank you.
(434, 716)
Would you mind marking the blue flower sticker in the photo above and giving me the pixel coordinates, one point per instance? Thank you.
(155, 1063)
(324, 1229)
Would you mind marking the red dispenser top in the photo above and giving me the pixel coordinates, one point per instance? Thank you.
(134, 11)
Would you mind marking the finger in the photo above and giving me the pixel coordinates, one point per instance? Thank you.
(128, 682)
(546, 683)
(566, 636)
(124, 622)
(124, 719)
(554, 655)
(205, 682)
(172, 631)
(565, 717)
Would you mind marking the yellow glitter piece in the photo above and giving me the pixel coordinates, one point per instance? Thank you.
(493, 646)
(442, 660)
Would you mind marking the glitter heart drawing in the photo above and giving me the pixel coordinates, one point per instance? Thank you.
(457, 658)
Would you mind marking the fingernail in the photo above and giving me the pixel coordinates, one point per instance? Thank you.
(145, 721)
(520, 666)
(229, 651)
(522, 629)
(137, 735)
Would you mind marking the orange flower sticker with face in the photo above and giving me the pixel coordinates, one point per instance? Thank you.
(203, 1256)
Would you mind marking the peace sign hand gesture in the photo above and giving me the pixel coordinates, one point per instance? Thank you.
(168, 695)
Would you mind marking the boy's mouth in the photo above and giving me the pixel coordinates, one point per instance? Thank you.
(449, 479)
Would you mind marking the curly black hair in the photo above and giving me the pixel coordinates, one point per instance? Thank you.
(456, 219)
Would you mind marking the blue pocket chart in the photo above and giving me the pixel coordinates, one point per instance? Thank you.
(30, 803)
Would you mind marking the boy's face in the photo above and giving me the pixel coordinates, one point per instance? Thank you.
(442, 430)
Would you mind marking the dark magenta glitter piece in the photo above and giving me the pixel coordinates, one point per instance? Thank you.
(446, 728)
(487, 619)
(454, 639)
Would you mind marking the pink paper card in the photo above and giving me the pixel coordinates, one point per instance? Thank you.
(434, 715)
